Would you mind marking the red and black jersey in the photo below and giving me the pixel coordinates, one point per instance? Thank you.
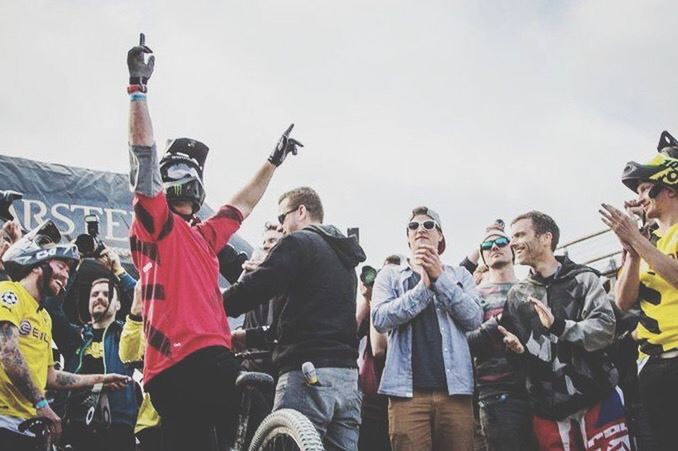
(179, 272)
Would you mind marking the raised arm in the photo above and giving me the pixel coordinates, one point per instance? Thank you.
(140, 70)
(144, 169)
(248, 197)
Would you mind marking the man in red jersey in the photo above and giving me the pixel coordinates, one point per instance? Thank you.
(189, 369)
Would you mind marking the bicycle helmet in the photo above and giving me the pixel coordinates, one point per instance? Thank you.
(36, 248)
(662, 170)
(181, 169)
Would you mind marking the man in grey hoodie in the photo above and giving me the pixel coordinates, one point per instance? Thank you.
(311, 272)
(558, 322)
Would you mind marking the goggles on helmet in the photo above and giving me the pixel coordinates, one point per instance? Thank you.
(180, 171)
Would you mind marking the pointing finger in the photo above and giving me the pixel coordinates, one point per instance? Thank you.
(289, 130)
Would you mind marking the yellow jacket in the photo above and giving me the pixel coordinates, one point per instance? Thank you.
(132, 347)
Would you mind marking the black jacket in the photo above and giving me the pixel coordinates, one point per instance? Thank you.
(567, 367)
(312, 274)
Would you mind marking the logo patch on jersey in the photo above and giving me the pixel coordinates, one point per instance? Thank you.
(25, 327)
(9, 299)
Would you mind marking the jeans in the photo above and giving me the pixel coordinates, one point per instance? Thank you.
(658, 382)
(195, 396)
(333, 405)
(431, 421)
(506, 422)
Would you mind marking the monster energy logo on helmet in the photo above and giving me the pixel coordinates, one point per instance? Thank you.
(661, 170)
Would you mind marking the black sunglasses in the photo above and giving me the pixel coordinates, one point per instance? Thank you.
(281, 218)
(428, 225)
(500, 242)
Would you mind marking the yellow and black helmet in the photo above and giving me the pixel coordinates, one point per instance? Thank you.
(662, 170)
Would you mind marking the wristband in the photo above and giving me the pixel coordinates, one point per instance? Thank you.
(137, 97)
(134, 317)
(41, 404)
(136, 88)
(120, 272)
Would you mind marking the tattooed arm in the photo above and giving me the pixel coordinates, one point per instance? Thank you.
(14, 364)
(62, 380)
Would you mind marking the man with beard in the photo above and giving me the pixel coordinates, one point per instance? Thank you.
(98, 298)
(505, 413)
(558, 321)
(40, 267)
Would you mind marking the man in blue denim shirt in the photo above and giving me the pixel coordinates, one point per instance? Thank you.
(426, 307)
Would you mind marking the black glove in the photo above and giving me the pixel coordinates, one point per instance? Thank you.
(139, 70)
(286, 145)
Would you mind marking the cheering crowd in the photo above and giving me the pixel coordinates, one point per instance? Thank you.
(454, 357)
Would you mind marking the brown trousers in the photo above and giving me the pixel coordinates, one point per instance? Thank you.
(431, 421)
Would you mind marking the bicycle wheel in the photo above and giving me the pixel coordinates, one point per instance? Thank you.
(286, 429)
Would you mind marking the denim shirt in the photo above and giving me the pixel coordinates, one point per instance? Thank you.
(457, 306)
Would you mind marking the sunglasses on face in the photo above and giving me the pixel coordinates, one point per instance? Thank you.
(281, 218)
(428, 225)
(499, 242)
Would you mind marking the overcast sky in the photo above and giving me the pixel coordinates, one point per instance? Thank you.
(478, 109)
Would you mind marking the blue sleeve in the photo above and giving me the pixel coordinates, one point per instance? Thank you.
(389, 308)
(458, 294)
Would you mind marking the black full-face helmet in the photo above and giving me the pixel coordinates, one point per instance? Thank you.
(36, 248)
(662, 170)
(181, 169)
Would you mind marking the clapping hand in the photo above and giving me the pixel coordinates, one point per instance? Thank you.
(427, 257)
(545, 315)
(511, 341)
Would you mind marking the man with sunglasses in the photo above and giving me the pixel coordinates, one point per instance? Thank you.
(189, 369)
(427, 307)
(505, 414)
(311, 272)
(557, 323)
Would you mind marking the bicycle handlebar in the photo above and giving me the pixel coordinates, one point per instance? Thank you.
(37, 425)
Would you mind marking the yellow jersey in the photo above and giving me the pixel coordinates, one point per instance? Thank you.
(18, 307)
(658, 327)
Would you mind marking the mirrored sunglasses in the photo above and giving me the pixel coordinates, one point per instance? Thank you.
(500, 242)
